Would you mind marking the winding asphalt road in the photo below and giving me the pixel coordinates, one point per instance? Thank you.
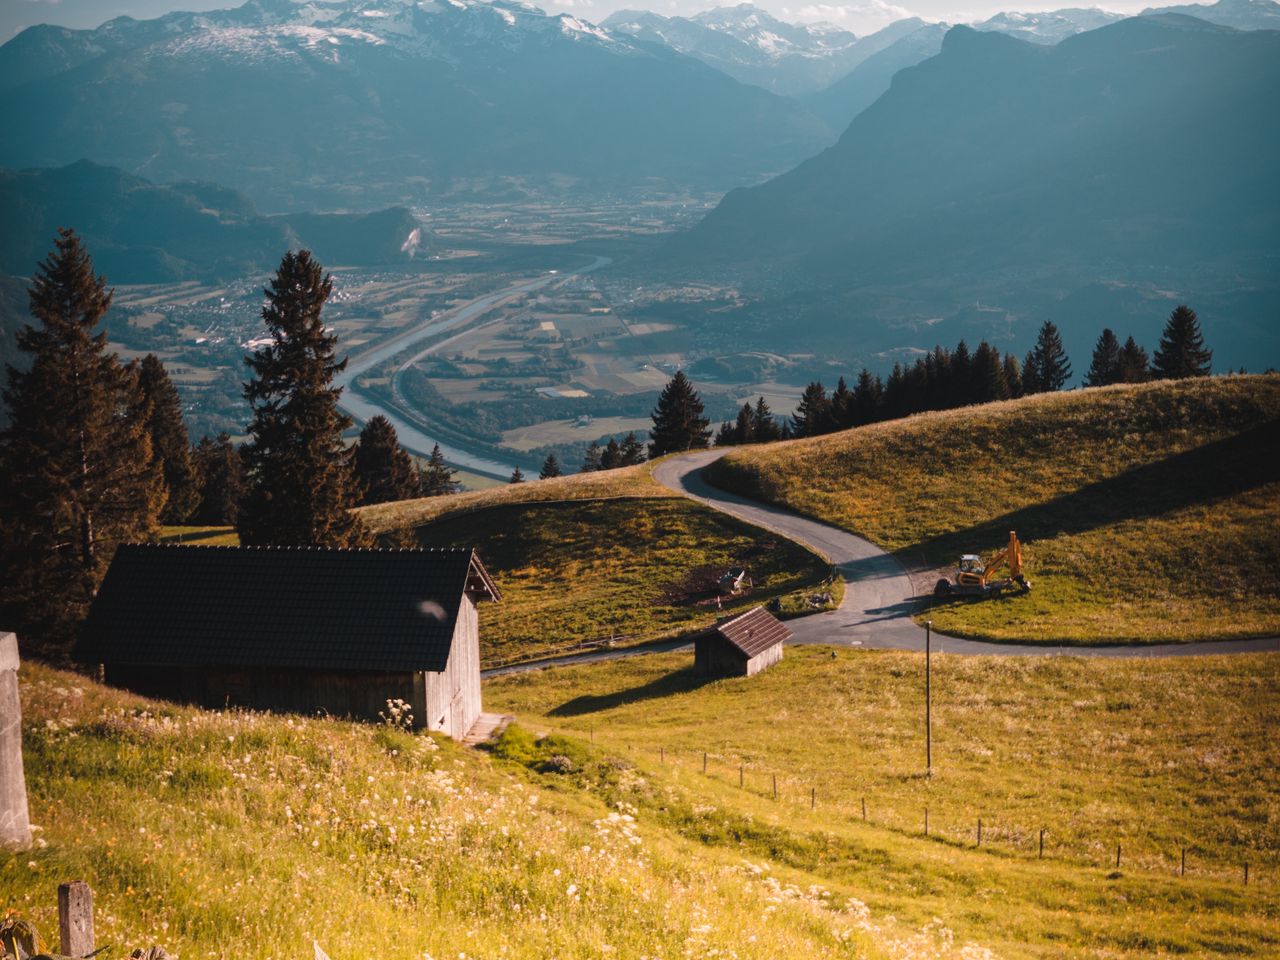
(879, 598)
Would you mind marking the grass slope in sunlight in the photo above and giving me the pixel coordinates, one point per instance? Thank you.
(232, 834)
(630, 569)
(1149, 513)
(1150, 755)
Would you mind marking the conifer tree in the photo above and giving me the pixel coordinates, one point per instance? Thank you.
(437, 478)
(77, 476)
(298, 474)
(763, 425)
(727, 435)
(867, 397)
(1030, 383)
(1049, 361)
(632, 450)
(1105, 366)
(221, 475)
(744, 428)
(1182, 352)
(1012, 375)
(550, 468)
(591, 459)
(517, 476)
(813, 413)
(678, 423)
(170, 445)
(611, 458)
(959, 377)
(986, 375)
(1134, 365)
(384, 471)
(841, 407)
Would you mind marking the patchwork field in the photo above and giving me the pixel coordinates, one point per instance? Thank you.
(1148, 756)
(1149, 513)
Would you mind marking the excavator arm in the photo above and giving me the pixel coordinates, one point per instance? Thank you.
(1011, 554)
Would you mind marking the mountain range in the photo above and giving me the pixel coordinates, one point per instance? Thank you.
(142, 232)
(386, 102)
(1098, 175)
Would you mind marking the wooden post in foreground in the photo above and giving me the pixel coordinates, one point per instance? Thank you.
(1182, 869)
(15, 827)
(979, 831)
(75, 919)
(928, 697)
(1042, 843)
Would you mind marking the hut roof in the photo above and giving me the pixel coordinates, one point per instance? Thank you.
(754, 632)
(287, 607)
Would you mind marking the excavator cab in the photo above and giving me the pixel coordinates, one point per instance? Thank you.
(974, 576)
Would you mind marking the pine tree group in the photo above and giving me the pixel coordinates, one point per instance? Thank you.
(221, 474)
(77, 475)
(550, 468)
(384, 471)
(170, 445)
(436, 477)
(678, 423)
(298, 473)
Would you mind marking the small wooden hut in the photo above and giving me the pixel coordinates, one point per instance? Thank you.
(741, 646)
(298, 629)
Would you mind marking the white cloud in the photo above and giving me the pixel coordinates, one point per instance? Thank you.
(861, 16)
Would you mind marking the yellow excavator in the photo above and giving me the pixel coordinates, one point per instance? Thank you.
(974, 578)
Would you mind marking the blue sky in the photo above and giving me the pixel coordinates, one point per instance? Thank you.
(860, 16)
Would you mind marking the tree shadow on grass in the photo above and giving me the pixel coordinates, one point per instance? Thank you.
(1209, 473)
(681, 681)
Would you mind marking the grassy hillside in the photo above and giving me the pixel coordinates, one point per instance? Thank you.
(1150, 755)
(587, 571)
(237, 834)
(1150, 512)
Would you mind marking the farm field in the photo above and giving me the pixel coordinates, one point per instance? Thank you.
(218, 834)
(1145, 755)
(1148, 513)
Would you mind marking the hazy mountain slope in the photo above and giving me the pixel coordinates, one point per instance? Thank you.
(1049, 26)
(1241, 14)
(748, 44)
(141, 232)
(390, 100)
(1025, 176)
(839, 103)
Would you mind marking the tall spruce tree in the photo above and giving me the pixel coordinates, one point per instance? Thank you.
(727, 435)
(1134, 365)
(77, 475)
(763, 425)
(384, 471)
(170, 444)
(1182, 352)
(591, 459)
(842, 412)
(611, 459)
(437, 478)
(1104, 368)
(1048, 360)
(867, 398)
(986, 375)
(550, 468)
(517, 476)
(221, 473)
(1012, 375)
(299, 480)
(813, 412)
(678, 423)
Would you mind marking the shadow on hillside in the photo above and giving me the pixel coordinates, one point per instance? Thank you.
(1213, 472)
(682, 681)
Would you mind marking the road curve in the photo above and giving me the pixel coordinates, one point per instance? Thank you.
(879, 598)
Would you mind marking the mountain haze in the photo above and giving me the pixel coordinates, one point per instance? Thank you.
(386, 102)
(1026, 175)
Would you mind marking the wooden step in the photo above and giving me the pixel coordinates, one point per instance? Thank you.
(486, 727)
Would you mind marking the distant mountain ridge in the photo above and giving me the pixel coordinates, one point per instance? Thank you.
(142, 232)
(394, 100)
(1024, 176)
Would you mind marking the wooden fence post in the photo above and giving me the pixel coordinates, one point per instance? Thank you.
(1042, 843)
(813, 798)
(926, 821)
(864, 809)
(1117, 856)
(1182, 869)
(979, 832)
(775, 786)
(662, 754)
(704, 761)
(15, 827)
(75, 919)
(742, 774)
(1246, 873)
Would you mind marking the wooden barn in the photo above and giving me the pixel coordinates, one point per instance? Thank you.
(741, 646)
(305, 630)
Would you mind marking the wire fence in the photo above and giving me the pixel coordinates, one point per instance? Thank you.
(993, 834)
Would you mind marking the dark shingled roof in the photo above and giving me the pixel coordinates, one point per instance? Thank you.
(754, 632)
(292, 607)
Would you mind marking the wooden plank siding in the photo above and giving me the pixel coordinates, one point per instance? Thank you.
(452, 696)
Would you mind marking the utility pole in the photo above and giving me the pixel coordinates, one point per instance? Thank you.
(928, 697)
